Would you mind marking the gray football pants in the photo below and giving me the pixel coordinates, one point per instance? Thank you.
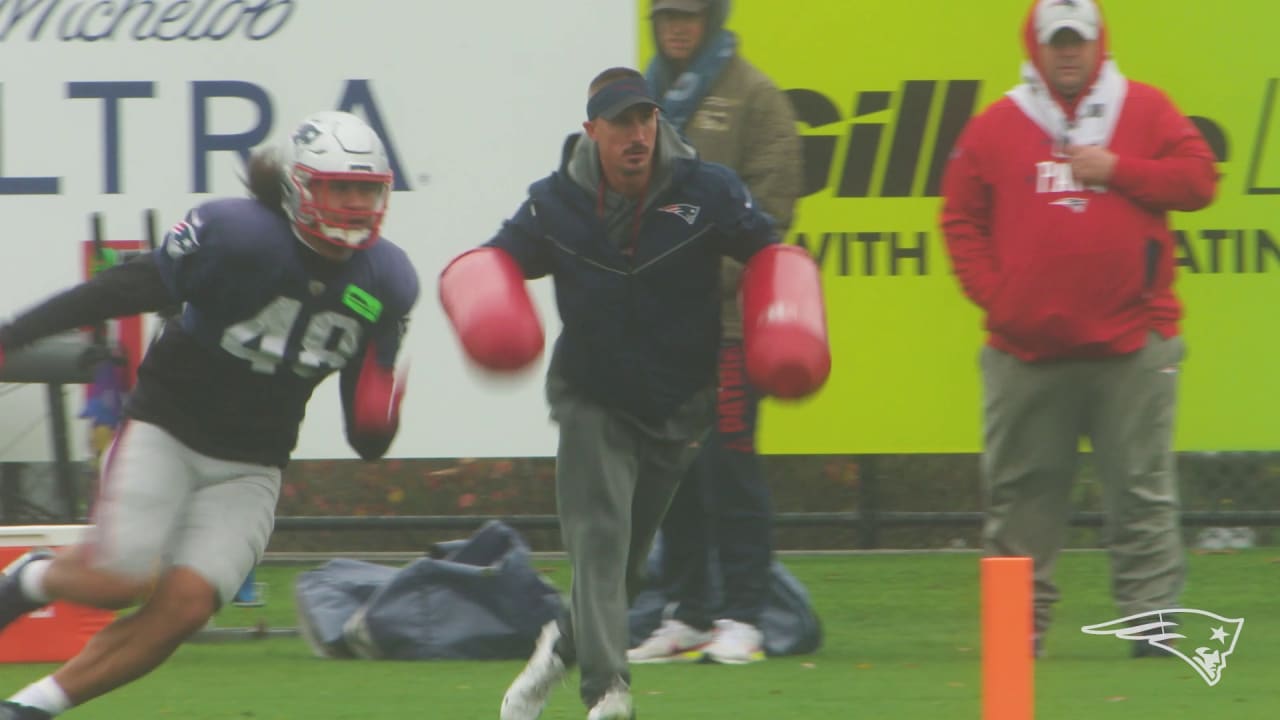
(1034, 417)
(614, 481)
(161, 504)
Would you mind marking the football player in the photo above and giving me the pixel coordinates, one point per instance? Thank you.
(278, 291)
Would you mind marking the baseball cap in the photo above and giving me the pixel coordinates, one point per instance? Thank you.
(688, 6)
(1078, 15)
(611, 100)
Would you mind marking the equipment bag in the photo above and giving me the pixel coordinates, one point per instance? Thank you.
(479, 598)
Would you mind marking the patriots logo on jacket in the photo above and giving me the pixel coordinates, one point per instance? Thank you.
(1209, 637)
(688, 213)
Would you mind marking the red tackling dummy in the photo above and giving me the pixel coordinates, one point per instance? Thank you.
(484, 294)
(784, 324)
(379, 391)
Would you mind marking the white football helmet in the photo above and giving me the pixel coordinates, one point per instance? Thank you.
(326, 159)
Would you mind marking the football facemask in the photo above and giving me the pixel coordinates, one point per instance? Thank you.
(343, 209)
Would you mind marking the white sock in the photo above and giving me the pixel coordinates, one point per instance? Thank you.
(44, 694)
(31, 581)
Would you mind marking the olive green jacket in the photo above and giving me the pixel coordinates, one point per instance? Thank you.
(747, 123)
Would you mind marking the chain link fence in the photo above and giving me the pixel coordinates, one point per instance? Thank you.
(822, 502)
(935, 501)
(829, 502)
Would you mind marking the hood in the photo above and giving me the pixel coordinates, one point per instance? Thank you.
(717, 16)
(1030, 43)
(580, 158)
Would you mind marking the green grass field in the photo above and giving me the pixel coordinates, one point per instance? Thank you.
(901, 642)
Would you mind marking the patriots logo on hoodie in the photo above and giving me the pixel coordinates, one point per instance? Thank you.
(1209, 638)
(688, 213)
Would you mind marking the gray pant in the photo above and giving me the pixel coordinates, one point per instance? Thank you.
(1035, 415)
(615, 477)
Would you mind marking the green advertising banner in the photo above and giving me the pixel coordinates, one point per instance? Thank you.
(882, 90)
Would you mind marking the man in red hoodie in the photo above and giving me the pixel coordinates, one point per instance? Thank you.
(1055, 213)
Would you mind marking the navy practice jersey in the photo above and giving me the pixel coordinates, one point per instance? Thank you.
(264, 320)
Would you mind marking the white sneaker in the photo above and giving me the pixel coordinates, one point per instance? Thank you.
(735, 643)
(529, 691)
(673, 641)
(613, 705)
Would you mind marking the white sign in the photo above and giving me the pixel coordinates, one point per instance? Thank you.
(118, 106)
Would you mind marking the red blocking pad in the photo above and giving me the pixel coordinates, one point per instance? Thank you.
(55, 633)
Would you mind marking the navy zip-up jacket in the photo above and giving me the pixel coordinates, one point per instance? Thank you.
(641, 330)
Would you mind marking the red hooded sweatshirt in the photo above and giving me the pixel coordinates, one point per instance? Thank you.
(1064, 271)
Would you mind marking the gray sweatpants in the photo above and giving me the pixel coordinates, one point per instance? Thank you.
(615, 477)
(1035, 415)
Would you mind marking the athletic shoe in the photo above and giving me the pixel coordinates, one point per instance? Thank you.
(615, 704)
(735, 643)
(673, 641)
(14, 711)
(13, 604)
(529, 691)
